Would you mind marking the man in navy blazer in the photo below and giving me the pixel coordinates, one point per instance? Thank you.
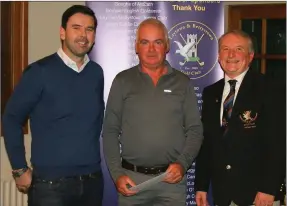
(243, 157)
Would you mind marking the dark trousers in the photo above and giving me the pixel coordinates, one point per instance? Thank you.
(72, 191)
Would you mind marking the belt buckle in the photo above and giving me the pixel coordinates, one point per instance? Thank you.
(156, 171)
(152, 170)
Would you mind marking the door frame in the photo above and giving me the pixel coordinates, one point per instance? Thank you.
(14, 47)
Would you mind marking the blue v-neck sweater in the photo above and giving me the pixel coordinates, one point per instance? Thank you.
(66, 113)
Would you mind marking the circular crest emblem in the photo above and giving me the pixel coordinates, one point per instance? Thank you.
(193, 47)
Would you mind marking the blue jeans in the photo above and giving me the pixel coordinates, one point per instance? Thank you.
(72, 191)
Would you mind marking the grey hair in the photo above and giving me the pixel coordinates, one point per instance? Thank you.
(155, 22)
(238, 33)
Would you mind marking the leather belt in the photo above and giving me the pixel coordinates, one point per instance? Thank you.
(144, 170)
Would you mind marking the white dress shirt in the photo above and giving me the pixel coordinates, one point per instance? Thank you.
(226, 90)
(70, 63)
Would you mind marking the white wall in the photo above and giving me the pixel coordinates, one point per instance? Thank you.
(43, 37)
(44, 27)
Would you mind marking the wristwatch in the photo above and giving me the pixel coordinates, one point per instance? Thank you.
(19, 172)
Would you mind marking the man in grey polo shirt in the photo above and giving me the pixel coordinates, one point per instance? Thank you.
(153, 114)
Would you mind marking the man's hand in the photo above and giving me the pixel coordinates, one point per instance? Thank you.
(201, 198)
(263, 199)
(23, 182)
(174, 173)
(122, 185)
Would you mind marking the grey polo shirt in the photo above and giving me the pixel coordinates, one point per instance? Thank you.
(155, 125)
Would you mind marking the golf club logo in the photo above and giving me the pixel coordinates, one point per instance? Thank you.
(194, 48)
(189, 50)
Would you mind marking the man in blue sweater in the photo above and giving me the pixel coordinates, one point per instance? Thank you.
(62, 95)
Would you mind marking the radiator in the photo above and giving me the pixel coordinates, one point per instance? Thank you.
(10, 196)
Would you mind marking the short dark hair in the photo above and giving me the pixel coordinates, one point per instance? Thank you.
(77, 9)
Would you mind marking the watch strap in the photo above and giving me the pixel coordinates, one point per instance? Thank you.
(18, 173)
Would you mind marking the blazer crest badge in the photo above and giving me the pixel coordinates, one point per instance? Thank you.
(248, 119)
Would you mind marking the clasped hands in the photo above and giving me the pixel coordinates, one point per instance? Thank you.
(261, 199)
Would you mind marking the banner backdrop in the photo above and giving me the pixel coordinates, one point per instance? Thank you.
(193, 28)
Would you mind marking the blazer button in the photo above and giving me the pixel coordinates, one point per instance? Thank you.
(228, 167)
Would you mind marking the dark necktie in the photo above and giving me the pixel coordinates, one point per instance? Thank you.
(228, 104)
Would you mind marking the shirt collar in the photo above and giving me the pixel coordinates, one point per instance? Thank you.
(166, 63)
(70, 63)
(239, 78)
